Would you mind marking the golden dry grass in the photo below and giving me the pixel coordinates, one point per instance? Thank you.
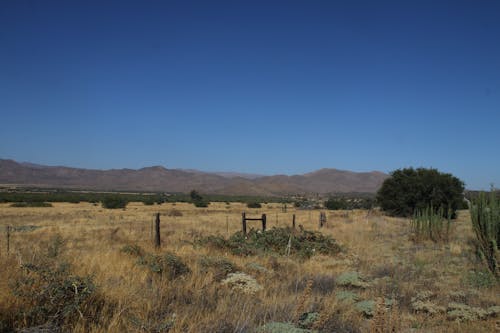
(376, 246)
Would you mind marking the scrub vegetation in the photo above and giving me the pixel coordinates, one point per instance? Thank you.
(84, 268)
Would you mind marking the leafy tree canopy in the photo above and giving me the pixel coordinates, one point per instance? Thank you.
(412, 189)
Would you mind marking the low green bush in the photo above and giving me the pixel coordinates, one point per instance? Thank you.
(168, 264)
(201, 203)
(254, 205)
(31, 204)
(53, 293)
(114, 202)
(49, 294)
(220, 266)
(301, 243)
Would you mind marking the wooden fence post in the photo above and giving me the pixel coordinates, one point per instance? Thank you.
(8, 239)
(322, 219)
(244, 223)
(263, 222)
(293, 221)
(157, 231)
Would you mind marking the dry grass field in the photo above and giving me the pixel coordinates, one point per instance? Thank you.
(381, 281)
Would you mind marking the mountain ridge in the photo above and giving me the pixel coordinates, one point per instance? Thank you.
(160, 179)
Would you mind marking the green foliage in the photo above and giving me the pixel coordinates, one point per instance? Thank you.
(52, 292)
(408, 190)
(352, 279)
(55, 246)
(430, 225)
(163, 325)
(133, 250)
(219, 265)
(346, 296)
(339, 203)
(336, 204)
(275, 327)
(198, 200)
(254, 205)
(201, 204)
(31, 204)
(366, 307)
(48, 293)
(195, 196)
(298, 204)
(307, 319)
(302, 243)
(114, 202)
(149, 201)
(24, 228)
(168, 264)
(55, 195)
(480, 279)
(485, 217)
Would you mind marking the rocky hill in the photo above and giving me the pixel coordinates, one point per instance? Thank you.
(158, 178)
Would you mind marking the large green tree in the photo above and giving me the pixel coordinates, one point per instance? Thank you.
(410, 189)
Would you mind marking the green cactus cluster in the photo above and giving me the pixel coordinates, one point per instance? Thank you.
(429, 224)
(485, 217)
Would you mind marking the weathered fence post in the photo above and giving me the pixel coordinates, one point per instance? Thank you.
(157, 230)
(263, 222)
(322, 219)
(244, 223)
(8, 239)
(293, 221)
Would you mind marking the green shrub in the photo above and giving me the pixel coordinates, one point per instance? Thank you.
(336, 204)
(52, 293)
(48, 293)
(31, 204)
(219, 265)
(114, 202)
(55, 246)
(298, 204)
(254, 205)
(485, 217)
(275, 327)
(168, 265)
(352, 279)
(408, 190)
(134, 250)
(201, 204)
(195, 196)
(430, 225)
(366, 307)
(480, 279)
(301, 243)
(349, 203)
(149, 201)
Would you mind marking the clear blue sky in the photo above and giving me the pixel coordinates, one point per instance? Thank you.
(253, 86)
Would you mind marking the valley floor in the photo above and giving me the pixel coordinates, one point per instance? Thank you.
(381, 281)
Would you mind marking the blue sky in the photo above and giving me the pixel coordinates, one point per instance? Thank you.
(253, 86)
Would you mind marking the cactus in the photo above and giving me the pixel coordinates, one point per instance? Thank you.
(430, 224)
(485, 217)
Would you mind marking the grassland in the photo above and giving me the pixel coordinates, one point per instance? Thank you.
(381, 281)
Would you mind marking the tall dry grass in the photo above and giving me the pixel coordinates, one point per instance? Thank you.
(132, 298)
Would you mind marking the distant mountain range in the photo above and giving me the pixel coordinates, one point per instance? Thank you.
(160, 179)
